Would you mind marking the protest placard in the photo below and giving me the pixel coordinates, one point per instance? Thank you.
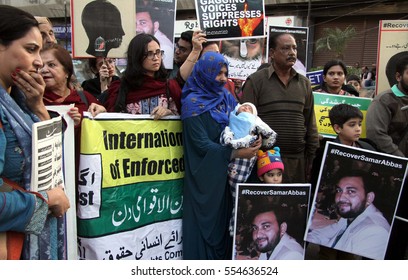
(102, 28)
(324, 101)
(270, 221)
(46, 170)
(233, 19)
(301, 37)
(392, 45)
(355, 200)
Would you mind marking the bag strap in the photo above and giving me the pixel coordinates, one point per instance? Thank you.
(9, 185)
(83, 97)
(3, 246)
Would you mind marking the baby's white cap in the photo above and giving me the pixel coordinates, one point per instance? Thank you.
(254, 110)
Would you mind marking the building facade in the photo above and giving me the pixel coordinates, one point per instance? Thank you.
(364, 16)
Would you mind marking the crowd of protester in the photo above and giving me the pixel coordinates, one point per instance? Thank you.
(36, 71)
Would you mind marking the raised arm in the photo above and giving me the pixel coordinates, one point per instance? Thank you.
(187, 67)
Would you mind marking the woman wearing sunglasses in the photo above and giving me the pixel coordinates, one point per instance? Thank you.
(144, 88)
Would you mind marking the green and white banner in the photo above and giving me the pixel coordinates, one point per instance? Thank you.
(130, 187)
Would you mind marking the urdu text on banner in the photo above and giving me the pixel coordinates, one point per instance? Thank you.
(130, 188)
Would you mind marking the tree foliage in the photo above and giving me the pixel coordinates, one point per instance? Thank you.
(335, 40)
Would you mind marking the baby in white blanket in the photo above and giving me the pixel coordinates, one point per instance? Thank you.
(245, 127)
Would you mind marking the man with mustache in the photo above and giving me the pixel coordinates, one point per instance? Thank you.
(362, 228)
(270, 237)
(285, 102)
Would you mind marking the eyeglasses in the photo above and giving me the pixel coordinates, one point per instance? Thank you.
(181, 49)
(151, 54)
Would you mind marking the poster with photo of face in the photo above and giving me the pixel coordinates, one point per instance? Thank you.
(270, 221)
(247, 55)
(355, 201)
(158, 18)
(102, 28)
(301, 37)
(244, 56)
(392, 47)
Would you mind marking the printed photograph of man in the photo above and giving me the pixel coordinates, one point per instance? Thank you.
(301, 36)
(151, 20)
(390, 68)
(271, 239)
(270, 221)
(355, 203)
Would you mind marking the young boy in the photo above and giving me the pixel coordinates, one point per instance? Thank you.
(270, 166)
(346, 121)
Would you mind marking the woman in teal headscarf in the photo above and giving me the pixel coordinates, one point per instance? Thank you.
(206, 105)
